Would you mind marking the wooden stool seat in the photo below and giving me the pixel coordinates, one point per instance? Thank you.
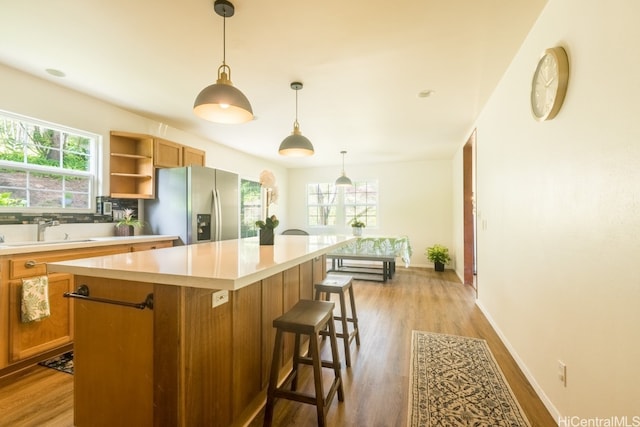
(310, 318)
(341, 284)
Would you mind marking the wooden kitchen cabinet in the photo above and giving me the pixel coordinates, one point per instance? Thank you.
(193, 157)
(168, 154)
(30, 339)
(24, 344)
(212, 374)
(131, 167)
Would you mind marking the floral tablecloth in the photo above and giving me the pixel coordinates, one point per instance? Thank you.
(371, 245)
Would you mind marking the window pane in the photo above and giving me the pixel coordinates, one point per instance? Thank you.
(250, 207)
(45, 166)
(321, 208)
(361, 202)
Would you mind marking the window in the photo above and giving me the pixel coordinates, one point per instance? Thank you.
(250, 207)
(321, 204)
(361, 201)
(328, 207)
(45, 166)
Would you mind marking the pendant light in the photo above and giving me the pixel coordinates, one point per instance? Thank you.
(343, 180)
(296, 145)
(222, 102)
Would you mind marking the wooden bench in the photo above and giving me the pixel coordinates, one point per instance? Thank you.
(363, 271)
(372, 249)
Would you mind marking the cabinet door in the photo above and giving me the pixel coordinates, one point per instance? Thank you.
(151, 245)
(167, 154)
(192, 156)
(28, 339)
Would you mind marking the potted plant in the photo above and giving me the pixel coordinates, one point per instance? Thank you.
(357, 226)
(439, 256)
(125, 226)
(266, 229)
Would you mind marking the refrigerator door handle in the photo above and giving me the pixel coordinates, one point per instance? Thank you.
(217, 214)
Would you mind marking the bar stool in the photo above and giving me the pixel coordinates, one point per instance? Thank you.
(339, 284)
(306, 317)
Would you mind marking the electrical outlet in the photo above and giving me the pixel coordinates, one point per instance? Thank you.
(219, 298)
(562, 372)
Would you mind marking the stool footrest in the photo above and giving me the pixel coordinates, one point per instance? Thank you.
(325, 363)
(308, 398)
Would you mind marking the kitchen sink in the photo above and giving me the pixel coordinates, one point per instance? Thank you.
(45, 242)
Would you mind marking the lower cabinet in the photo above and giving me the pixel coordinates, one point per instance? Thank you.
(24, 344)
(32, 338)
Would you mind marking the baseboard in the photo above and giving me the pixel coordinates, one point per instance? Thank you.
(536, 387)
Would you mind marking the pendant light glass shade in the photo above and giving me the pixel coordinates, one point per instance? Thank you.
(343, 180)
(296, 145)
(222, 102)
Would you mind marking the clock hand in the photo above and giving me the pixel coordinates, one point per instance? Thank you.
(549, 82)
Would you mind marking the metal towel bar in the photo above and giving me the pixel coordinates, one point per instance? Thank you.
(83, 293)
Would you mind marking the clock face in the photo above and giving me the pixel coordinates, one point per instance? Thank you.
(549, 84)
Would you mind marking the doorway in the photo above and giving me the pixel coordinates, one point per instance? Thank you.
(469, 211)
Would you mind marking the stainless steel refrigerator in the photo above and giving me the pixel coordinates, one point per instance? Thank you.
(198, 204)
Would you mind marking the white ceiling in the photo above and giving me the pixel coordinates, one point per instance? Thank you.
(362, 63)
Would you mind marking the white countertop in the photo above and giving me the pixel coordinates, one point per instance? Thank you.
(11, 248)
(229, 264)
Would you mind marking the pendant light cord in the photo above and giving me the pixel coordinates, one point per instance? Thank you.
(224, 38)
(297, 108)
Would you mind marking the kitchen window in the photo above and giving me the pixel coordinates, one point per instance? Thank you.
(45, 167)
(328, 206)
(250, 207)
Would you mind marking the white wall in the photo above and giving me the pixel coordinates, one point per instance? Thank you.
(415, 200)
(37, 98)
(558, 258)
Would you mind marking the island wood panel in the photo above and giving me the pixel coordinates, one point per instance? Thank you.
(290, 296)
(272, 307)
(306, 280)
(113, 356)
(207, 368)
(168, 354)
(319, 269)
(247, 336)
(32, 338)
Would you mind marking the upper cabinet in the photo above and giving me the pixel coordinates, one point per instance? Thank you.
(169, 154)
(166, 154)
(134, 158)
(131, 166)
(192, 156)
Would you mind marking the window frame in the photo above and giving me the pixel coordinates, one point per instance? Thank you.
(340, 205)
(92, 174)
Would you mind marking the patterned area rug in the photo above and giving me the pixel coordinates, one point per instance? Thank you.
(455, 381)
(62, 363)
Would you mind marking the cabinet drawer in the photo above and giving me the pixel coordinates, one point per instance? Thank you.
(34, 264)
(151, 245)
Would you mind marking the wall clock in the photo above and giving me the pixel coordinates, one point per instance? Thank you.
(549, 84)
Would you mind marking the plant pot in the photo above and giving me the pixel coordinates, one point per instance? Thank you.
(357, 231)
(124, 230)
(266, 236)
(438, 266)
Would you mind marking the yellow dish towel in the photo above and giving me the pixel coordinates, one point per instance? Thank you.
(35, 299)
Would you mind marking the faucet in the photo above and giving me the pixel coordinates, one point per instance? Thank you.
(42, 225)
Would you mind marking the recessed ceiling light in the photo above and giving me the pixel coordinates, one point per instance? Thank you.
(426, 93)
(54, 72)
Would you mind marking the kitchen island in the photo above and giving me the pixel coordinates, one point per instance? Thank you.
(198, 350)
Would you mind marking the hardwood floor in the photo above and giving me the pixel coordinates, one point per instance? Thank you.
(376, 386)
